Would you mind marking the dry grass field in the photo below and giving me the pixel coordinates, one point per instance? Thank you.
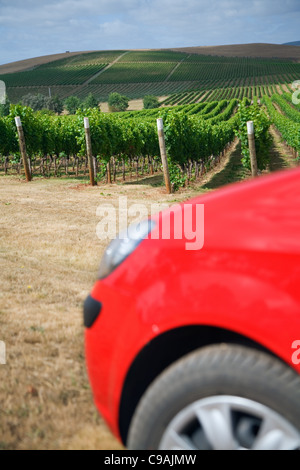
(27, 64)
(49, 256)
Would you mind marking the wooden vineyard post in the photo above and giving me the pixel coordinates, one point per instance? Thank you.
(89, 150)
(108, 172)
(163, 153)
(23, 149)
(251, 140)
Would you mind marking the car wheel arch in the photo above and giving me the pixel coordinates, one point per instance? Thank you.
(162, 352)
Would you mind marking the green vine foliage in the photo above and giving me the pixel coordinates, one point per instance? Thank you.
(177, 177)
(289, 129)
(263, 140)
(124, 136)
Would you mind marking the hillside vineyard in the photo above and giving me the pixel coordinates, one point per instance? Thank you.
(197, 135)
(161, 73)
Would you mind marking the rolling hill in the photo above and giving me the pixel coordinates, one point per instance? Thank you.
(265, 51)
(163, 72)
(296, 43)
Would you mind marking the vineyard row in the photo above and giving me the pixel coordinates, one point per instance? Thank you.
(196, 136)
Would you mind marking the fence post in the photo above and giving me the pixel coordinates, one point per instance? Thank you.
(23, 148)
(108, 172)
(251, 140)
(89, 150)
(163, 153)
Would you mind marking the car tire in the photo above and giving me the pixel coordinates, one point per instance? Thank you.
(220, 397)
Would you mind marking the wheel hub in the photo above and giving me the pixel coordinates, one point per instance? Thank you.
(229, 423)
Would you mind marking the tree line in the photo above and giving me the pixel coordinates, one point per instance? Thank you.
(54, 104)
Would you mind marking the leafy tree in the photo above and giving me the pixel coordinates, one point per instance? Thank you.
(55, 104)
(4, 108)
(90, 102)
(35, 102)
(151, 102)
(117, 102)
(72, 103)
(40, 102)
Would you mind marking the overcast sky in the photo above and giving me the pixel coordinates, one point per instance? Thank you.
(31, 28)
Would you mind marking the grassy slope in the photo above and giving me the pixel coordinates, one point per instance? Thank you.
(267, 51)
(27, 64)
(239, 50)
(138, 73)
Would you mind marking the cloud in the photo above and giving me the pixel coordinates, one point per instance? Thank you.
(40, 27)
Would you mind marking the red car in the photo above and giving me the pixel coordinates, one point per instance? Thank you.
(200, 348)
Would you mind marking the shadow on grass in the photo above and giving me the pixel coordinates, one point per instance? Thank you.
(278, 159)
(232, 172)
(156, 180)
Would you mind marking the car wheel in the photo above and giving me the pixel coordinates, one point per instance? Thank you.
(220, 397)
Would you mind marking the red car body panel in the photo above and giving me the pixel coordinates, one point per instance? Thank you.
(246, 279)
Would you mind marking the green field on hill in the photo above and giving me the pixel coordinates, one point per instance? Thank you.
(161, 73)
